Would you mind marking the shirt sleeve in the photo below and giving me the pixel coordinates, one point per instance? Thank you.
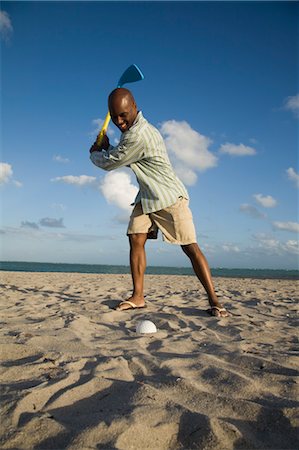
(128, 151)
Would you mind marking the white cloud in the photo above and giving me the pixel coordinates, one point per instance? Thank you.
(287, 226)
(252, 211)
(60, 159)
(210, 249)
(118, 190)
(293, 176)
(5, 172)
(81, 180)
(292, 246)
(237, 149)
(188, 150)
(188, 176)
(273, 246)
(265, 200)
(292, 104)
(265, 251)
(6, 28)
(231, 248)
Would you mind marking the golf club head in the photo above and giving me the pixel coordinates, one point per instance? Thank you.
(133, 73)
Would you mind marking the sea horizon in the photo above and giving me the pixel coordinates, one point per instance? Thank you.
(30, 266)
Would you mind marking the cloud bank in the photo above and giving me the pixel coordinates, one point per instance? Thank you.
(188, 150)
(51, 223)
(275, 247)
(30, 225)
(81, 180)
(47, 222)
(287, 226)
(118, 189)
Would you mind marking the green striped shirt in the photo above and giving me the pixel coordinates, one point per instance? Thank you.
(142, 149)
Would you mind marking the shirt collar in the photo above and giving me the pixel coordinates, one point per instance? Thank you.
(138, 118)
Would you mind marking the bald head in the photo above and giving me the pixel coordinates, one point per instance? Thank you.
(120, 93)
(122, 108)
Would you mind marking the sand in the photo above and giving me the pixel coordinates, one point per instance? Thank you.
(75, 375)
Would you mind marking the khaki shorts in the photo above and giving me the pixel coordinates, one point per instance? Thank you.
(175, 223)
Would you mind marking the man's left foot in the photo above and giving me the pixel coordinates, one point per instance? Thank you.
(126, 305)
(218, 311)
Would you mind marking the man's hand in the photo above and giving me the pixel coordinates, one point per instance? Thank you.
(104, 145)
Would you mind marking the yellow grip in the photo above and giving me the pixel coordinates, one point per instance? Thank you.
(104, 129)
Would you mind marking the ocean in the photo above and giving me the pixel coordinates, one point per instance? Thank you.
(17, 266)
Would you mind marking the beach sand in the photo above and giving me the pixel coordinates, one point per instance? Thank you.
(75, 375)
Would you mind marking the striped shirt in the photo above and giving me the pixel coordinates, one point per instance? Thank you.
(142, 149)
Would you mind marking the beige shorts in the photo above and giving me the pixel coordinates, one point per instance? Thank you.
(175, 223)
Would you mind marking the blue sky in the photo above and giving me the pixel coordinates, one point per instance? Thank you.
(221, 84)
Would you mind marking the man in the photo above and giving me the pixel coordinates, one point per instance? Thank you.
(162, 200)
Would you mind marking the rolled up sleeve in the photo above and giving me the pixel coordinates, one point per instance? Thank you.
(128, 151)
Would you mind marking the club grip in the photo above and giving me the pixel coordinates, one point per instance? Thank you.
(104, 129)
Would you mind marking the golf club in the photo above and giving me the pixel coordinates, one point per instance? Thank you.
(130, 75)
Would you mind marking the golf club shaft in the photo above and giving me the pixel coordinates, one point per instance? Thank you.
(104, 129)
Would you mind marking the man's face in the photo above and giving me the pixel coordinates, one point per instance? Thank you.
(123, 112)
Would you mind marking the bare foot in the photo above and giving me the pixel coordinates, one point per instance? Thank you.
(132, 303)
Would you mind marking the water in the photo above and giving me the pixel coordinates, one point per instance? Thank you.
(98, 268)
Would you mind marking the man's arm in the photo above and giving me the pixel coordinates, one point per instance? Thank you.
(107, 157)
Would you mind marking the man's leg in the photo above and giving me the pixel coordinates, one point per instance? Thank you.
(138, 266)
(202, 271)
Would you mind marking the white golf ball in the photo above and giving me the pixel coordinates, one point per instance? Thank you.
(145, 326)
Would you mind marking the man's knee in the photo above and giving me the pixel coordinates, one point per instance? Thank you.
(190, 250)
(137, 239)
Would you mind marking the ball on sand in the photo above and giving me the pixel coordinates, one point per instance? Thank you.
(145, 326)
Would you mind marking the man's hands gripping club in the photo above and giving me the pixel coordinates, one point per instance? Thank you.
(104, 145)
